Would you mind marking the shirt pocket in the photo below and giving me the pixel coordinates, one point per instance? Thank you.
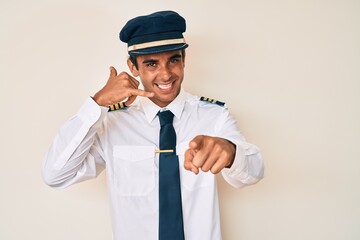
(134, 170)
(188, 179)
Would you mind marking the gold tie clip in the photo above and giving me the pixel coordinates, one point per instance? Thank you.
(164, 151)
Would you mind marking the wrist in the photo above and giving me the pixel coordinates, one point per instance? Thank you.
(99, 100)
(232, 158)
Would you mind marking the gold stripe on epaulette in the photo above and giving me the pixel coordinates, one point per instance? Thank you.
(117, 106)
(210, 100)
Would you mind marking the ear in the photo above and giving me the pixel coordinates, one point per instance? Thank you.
(132, 68)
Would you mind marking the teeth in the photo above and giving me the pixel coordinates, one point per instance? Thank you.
(164, 86)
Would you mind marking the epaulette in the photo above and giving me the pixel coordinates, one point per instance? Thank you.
(210, 100)
(117, 106)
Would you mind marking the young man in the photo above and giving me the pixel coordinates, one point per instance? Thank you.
(161, 145)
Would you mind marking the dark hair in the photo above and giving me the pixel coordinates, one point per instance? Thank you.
(133, 59)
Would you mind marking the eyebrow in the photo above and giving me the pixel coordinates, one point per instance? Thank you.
(149, 61)
(175, 56)
(155, 61)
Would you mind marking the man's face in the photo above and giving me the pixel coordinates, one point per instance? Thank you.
(161, 74)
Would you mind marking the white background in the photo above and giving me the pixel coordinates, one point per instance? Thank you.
(288, 70)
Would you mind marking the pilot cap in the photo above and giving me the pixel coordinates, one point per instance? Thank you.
(154, 33)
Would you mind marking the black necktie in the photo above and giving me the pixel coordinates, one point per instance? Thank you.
(170, 209)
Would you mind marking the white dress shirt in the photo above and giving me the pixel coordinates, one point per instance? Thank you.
(125, 142)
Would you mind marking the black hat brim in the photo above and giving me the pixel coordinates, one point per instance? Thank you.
(158, 49)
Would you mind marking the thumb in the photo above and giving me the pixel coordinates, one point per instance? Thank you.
(113, 72)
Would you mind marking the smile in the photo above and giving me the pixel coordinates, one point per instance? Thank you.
(165, 86)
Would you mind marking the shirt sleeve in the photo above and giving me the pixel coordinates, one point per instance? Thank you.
(248, 165)
(76, 155)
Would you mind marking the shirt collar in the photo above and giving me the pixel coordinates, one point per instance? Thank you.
(151, 109)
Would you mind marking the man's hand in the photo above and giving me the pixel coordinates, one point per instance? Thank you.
(209, 153)
(118, 88)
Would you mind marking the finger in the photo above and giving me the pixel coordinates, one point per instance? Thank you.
(127, 80)
(201, 157)
(137, 92)
(130, 100)
(209, 163)
(188, 165)
(113, 72)
(133, 82)
(201, 154)
(214, 154)
(219, 165)
(140, 92)
(223, 160)
(197, 143)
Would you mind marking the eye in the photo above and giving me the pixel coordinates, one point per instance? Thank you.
(151, 64)
(174, 60)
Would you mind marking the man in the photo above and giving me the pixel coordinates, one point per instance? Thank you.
(162, 146)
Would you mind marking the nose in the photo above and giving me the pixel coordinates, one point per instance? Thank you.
(165, 73)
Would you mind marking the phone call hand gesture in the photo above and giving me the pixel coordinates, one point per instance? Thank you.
(118, 88)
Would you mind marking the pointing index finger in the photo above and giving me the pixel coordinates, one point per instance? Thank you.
(197, 143)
